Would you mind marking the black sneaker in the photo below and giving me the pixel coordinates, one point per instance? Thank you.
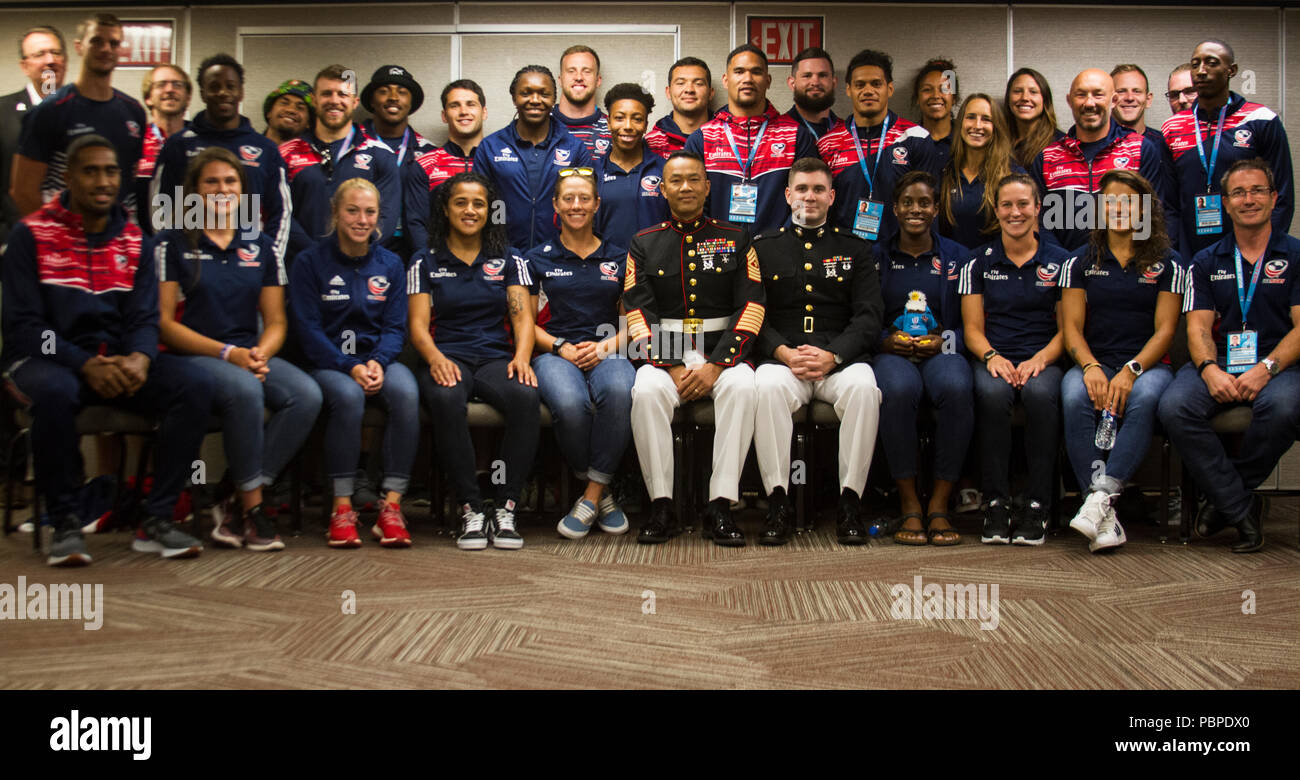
(997, 523)
(158, 535)
(1031, 527)
(661, 525)
(501, 528)
(260, 532)
(68, 547)
(473, 529)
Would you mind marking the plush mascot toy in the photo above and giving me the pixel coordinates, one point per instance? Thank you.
(916, 319)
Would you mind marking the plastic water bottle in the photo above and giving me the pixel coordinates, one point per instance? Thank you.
(1105, 439)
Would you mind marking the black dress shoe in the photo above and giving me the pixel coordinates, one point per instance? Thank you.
(661, 525)
(1209, 521)
(719, 526)
(849, 528)
(777, 529)
(1250, 531)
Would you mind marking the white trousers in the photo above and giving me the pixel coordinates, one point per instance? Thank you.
(654, 397)
(851, 390)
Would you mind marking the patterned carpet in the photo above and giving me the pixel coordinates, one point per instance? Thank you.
(608, 613)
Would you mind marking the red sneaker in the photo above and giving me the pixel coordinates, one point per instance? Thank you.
(343, 528)
(390, 528)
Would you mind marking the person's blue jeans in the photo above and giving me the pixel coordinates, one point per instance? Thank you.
(994, 398)
(345, 403)
(256, 454)
(1131, 439)
(1185, 411)
(946, 380)
(178, 395)
(592, 411)
(448, 408)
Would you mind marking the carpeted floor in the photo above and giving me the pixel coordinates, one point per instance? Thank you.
(608, 613)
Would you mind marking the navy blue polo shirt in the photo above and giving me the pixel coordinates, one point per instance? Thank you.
(630, 201)
(1213, 287)
(1121, 309)
(58, 120)
(524, 177)
(221, 288)
(934, 273)
(1019, 303)
(968, 221)
(582, 294)
(469, 315)
(348, 310)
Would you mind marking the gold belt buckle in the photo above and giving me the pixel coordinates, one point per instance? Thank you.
(692, 325)
(808, 324)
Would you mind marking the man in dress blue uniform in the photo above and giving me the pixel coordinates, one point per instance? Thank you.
(694, 304)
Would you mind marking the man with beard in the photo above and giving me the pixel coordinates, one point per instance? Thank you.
(464, 107)
(90, 105)
(166, 91)
(392, 96)
(221, 88)
(1072, 165)
(577, 109)
(43, 57)
(287, 111)
(1221, 128)
(812, 81)
(334, 150)
(1133, 97)
(690, 90)
(1179, 92)
(748, 147)
(871, 150)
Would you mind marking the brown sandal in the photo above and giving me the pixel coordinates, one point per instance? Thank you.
(909, 536)
(942, 537)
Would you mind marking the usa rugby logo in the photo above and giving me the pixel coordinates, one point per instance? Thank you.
(378, 286)
(936, 264)
(1153, 273)
(602, 145)
(650, 184)
(248, 255)
(561, 156)
(609, 270)
(492, 268)
(1047, 273)
(1241, 137)
(900, 155)
(952, 270)
(1121, 162)
(249, 153)
(1274, 269)
(133, 129)
(362, 162)
(778, 148)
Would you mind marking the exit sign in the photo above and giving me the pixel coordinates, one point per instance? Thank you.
(782, 37)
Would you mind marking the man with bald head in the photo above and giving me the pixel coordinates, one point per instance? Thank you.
(1219, 129)
(1069, 170)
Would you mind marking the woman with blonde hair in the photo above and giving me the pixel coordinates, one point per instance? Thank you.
(349, 307)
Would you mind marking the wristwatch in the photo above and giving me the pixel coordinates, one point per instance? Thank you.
(559, 342)
(992, 353)
(1271, 365)
(839, 361)
(1135, 367)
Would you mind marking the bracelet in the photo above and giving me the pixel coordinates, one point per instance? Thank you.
(1204, 365)
(226, 350)
(1087, 366)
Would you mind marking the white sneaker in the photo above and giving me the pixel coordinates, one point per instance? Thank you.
(1094, 510)
(1109, 534)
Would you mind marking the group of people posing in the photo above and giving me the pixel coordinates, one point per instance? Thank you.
(615, 272)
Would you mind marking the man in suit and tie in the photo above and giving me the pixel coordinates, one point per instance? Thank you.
(43, 57)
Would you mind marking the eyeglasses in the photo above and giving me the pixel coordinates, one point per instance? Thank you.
(584, 171)
(1254, 192)
(58, 54)
(1187, 92)
(173, 83)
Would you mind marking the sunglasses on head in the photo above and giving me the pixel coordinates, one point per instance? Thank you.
(584, 171)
